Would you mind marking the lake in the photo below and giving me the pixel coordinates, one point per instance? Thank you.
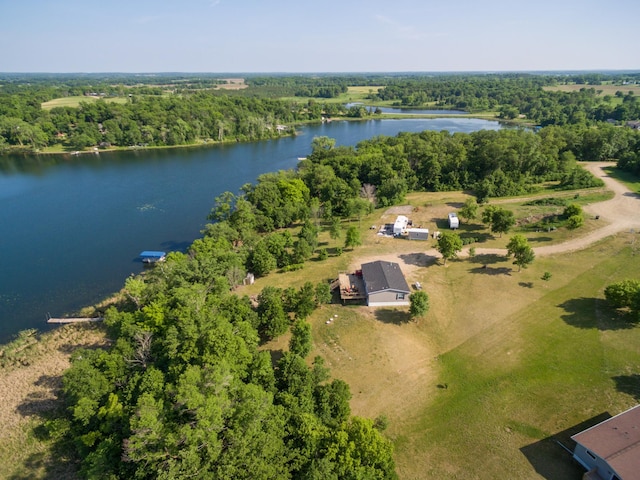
(71, 227)
(409, 111)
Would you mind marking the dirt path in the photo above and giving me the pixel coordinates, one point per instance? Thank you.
(621, 213)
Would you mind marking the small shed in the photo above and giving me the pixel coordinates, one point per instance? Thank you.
(611, 449)
(454, 222)
(400, 224)
(418, 233)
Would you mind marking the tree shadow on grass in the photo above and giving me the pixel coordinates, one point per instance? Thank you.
(395, 316)
(419, 259)
(553, 462)
(276, 355)
(487, 259)
(526, 284)
(594, 313)
(487, 270)
(472, 227)
(539, 239)
(629, 384)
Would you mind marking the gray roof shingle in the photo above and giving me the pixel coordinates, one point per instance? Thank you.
(380, 276)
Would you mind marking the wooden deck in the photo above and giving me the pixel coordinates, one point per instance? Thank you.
(74, 320)
(351, 287)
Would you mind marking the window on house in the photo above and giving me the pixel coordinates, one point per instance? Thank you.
(400, 296)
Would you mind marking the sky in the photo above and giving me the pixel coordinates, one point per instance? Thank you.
(268, 36)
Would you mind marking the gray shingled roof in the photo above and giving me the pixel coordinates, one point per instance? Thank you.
(380, 276)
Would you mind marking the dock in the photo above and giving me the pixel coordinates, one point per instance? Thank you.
(74, 320)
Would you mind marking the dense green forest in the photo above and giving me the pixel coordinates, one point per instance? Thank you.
(179, 109)
(186, 388)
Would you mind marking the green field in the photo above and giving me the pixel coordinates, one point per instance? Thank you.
(75, 101)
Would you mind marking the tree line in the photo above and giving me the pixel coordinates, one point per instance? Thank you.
(182, 109)
(513, 95)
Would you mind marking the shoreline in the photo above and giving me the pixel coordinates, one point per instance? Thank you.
(211, 142)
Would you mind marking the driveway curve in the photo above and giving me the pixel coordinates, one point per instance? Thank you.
(621, 213)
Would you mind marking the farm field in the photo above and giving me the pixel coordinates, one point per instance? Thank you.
(604, 89)
(75, 101)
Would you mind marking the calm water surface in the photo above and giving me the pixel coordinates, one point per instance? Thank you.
(71, 227)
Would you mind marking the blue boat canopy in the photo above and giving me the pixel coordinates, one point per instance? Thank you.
(152, 254)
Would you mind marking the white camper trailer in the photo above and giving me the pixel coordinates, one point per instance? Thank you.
(454, 222)
(400, 225)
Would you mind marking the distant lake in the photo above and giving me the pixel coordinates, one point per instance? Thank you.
(72, 226)
(410, 111)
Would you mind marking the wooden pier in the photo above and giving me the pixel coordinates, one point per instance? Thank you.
(74, 320)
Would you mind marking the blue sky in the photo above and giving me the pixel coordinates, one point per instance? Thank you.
(321, 36)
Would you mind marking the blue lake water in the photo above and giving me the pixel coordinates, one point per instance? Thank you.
(411, 111)
(71, 227)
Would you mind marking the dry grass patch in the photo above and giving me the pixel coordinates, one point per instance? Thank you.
(388, 361)
(30, 391)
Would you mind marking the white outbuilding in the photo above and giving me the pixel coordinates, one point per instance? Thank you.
(418, 233)
(400, 224)
(454, 222)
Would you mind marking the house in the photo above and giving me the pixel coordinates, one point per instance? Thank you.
(400, 224)
(610, 450)
(418, 233)
(454, 222)
(384, 284)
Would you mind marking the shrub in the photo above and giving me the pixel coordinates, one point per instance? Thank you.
(575, 221)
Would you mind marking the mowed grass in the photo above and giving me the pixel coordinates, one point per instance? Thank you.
(76, 100)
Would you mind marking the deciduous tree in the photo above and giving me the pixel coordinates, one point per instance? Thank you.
(449, 244)
(418, 304)
(352, 239)
(522, 252)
